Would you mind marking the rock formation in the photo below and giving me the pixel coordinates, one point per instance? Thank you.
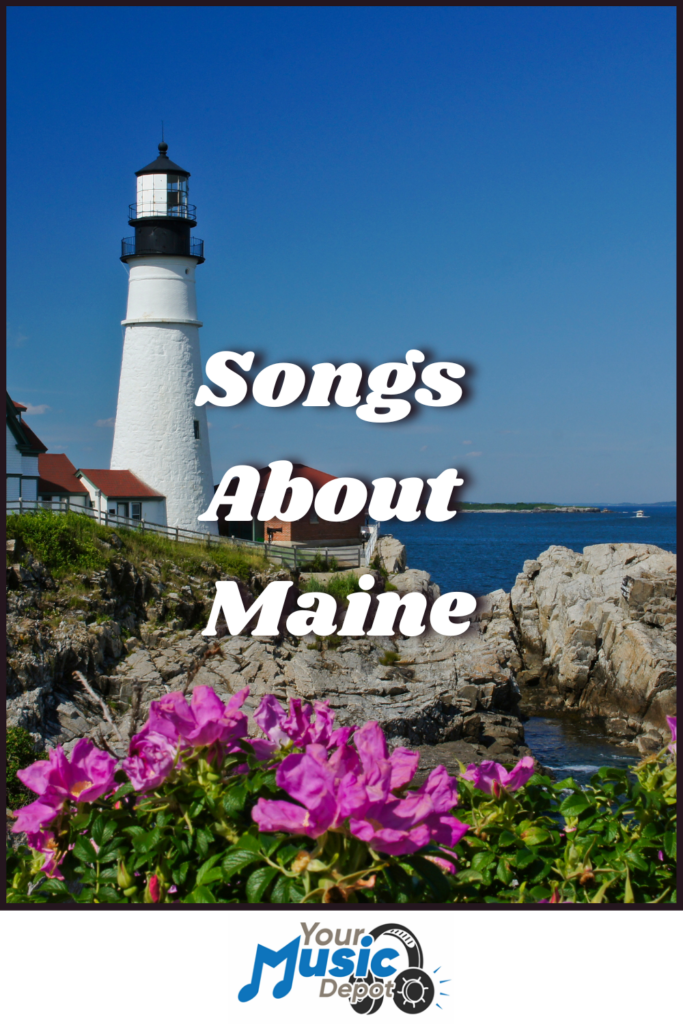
(597, 631)
(593, 631)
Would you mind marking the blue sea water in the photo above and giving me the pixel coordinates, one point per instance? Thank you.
(482, 551)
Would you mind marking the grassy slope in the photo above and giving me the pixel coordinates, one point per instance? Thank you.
(67, 543)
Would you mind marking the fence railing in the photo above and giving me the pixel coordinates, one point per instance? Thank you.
(130, 247)
(137, 211)
(347, 557)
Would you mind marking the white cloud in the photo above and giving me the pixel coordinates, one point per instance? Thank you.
(106, 423)
(472, 454)
(467, 442)
(35, 410)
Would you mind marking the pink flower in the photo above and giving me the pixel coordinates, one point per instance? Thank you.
(45, 843)
(355, 786)
(491, 777)
(441, 862)
(406, 825)
(671, 722)
(205, 721)
(310, 779)
(151, 755)
(298, 727)
(86, 777)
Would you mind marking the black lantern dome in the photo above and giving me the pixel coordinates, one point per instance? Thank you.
(162, 216)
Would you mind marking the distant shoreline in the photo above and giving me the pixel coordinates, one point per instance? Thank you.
(527, 508)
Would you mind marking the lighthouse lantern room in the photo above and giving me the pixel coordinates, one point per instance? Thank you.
(160, 435)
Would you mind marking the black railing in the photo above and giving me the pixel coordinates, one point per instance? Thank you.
(129, 248)
(187, 212)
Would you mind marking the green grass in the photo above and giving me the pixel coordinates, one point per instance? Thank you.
(340, 586)
(20, 754)
(68, 542)
(320, 564)
(389, 658)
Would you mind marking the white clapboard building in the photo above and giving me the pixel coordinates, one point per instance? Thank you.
(23, 450)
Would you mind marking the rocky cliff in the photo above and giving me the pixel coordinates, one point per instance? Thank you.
(592, 630)
(597, 632)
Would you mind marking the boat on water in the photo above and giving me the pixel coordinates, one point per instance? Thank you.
(641, 515)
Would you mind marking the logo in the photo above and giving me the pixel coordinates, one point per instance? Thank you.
(364, 970)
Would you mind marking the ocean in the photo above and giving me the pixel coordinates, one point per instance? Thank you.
(483, 551)
(478, 552)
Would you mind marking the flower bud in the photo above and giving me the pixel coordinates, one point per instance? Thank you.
(301, 861)
(124, 879)
(153, 890)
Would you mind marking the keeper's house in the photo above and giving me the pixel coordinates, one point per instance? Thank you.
(120, 493)
(58, 482)
(23, 450)
(307, 531)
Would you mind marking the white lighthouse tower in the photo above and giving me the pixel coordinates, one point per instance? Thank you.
(160, 435)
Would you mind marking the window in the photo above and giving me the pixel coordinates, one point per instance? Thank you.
(112, 511)
(122, 509)
(196, 430)
(136, 510)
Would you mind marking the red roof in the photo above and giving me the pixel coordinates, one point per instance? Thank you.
(18, 405)
(316, 476)
(33, 439)
(119, 483)
(58, 475)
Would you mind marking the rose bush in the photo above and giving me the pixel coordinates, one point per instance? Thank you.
(200, 812)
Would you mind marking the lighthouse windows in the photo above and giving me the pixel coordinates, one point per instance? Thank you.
(196, 430)
(177, 195)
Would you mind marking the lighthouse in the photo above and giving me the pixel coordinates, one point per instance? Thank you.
(161, 435)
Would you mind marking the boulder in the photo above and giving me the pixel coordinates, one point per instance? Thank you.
(391, 553)
(597, 633)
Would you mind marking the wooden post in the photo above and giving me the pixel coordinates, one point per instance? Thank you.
(176, 534)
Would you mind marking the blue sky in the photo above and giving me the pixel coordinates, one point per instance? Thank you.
(493, 185)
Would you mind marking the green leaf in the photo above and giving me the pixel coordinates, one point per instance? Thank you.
(507, 838)
(467, 876)
(483, 860)
(234, 800)
(248, 842)
(203, 840)
(97, 829)
(205, 870)
(432, 875)
(636, 860)
(84, 850)
(503, 873)
(54, 887)
(258, 882)
(669, 844)
(280, 893)
(200, 895)
(236, 860)
(535, 836)
(574, 805)
(179, 873)
(523, 858)
(270, 842)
